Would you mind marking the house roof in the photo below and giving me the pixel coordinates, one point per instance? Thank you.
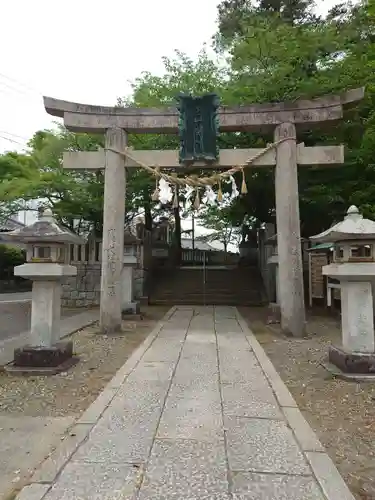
(45, 229)
(10, 225)
(322, 246)
(187, 243)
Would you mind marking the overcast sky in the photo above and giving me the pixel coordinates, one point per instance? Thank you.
(87, 52)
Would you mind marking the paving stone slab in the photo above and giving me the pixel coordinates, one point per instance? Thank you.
(236, 372)
(243, 401)
(200, 338)
(24, 443)
(191, 418)
(243, 360)
(126, 429)
(197, 366)
(56, 461)
(95, 482)
(195, 388)
(199, 354)
(33, 492)
(183, 469)
(157, 371)
(201, 327)
(232, 343)
(130, 407)
(129, 446)
(177, 332)
(225, 311)
(225, 326)
(260, 445)
(139, 394)
(163, 350)
(251, 486)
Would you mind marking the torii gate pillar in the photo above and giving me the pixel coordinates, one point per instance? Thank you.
(291, 289)
(113, 232)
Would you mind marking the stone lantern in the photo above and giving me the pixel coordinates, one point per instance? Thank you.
(46, 246)
(354, 267)
(131, 246)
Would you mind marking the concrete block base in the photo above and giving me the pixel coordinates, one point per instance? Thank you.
(354, 363)
(131, 308)
(349, 377)
(41, 360)
(274, 315)
(12, 369)
(144, 301)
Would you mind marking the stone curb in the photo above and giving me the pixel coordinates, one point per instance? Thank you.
(15, 301)
(45, 475)
(324, 470)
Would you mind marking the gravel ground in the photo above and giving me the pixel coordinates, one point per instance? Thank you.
(342, 413)
(70, 393)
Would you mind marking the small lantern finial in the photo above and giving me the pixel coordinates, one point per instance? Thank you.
(353, 213)
(353, 210)
(46, 214)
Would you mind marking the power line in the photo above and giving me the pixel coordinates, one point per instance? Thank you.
(13, 135)
(12, 140)
(18, 82)
(13, 89)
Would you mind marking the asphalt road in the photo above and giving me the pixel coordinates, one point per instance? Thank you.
(15, 314)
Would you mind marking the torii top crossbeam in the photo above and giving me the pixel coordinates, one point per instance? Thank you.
(262, 117)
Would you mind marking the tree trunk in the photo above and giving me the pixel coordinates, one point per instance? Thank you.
(148, 217)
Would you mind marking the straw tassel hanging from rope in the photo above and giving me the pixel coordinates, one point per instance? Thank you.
(219, 193)
(243, 184)
(197, 201)
(175, 197)
(156, 193)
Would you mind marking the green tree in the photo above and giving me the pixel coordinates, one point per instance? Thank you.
(234, 16)
(275, 60)
(9, 258)
(219, 220)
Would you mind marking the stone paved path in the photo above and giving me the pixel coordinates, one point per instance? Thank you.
(197, 413)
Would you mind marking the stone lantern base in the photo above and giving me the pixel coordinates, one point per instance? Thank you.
(352, 365)
(40, 360)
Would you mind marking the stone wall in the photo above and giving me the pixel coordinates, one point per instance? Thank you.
(83, 290)
(318, 260)
(317, 280)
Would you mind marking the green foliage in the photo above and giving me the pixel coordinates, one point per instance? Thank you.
(219, 219)
(234, 16)
(9, 258)
(273, 59)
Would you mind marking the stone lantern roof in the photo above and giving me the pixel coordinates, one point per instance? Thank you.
(130, 238)
(45, 229)
(353, 227)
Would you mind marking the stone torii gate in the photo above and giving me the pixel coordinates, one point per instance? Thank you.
(284, 119)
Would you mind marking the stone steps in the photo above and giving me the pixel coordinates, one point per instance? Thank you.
(238, 286)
